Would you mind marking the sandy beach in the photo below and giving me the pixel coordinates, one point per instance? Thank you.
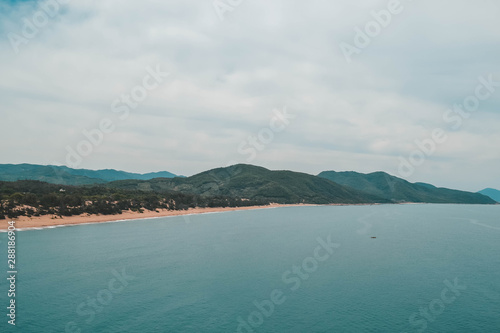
(45, 221)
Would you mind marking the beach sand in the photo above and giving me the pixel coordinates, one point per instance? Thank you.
(45, 221)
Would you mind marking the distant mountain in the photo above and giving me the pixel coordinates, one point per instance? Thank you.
(492, 193)
(112, 175)
(67, 176)
(256, 183)
(396, 189)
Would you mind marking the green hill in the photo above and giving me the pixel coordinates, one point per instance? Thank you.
(256, 183)
(38, 190)
(492, 193)
(399, 190)
(67, 176)
(234, 186)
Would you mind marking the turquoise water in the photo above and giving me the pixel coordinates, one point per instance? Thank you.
(438, 265)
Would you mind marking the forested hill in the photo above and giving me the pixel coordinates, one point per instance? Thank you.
(256, 183)
(68, 176)
(237, 185)
(400, 190)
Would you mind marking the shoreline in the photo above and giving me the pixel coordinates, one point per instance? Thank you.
(52, 221)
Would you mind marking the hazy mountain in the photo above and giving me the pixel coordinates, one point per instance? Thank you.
(256, 183)
(399, 190)
(112, 175)
(67, 176)
(492, 193)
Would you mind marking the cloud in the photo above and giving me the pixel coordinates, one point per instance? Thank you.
(228, 76)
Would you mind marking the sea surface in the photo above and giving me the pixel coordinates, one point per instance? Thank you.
(430, 268)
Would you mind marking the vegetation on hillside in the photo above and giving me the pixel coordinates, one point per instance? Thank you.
(256, 183)
(35, 198)
(68, 176)
(400, 190)
(234, 186)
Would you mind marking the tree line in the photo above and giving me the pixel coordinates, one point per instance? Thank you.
(37, 198)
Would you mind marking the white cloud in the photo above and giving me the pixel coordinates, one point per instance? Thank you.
(227, 77)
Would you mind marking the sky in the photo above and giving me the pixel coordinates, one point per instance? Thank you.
(411, 88)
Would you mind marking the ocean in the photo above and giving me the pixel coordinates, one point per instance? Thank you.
(380, 268)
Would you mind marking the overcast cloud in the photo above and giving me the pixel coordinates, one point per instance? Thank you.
(227, 79)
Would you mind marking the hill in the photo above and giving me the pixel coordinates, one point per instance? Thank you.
(256, 183)
(234, 186)
(399, 190)
(492, 193)
(68, 176)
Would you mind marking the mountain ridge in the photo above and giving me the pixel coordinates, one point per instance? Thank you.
(399, 190)
(492, 193)
(256, 183)
(64, 175)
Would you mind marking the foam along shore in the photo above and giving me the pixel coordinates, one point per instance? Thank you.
(47, 221)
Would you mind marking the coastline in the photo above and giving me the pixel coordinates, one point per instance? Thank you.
(51, 221)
